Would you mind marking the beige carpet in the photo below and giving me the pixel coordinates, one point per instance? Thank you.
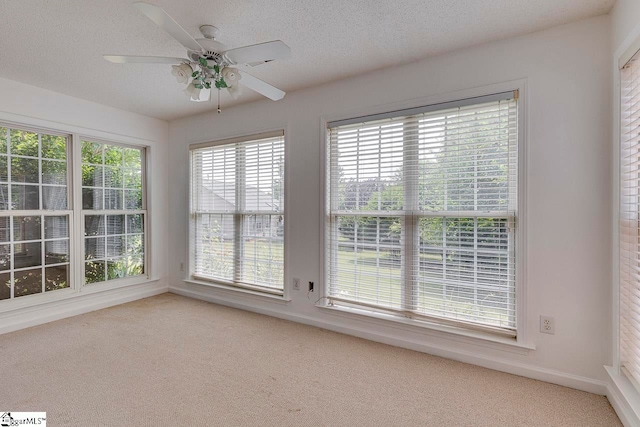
(174, 361)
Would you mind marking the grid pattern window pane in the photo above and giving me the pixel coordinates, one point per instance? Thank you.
(629, 231)
(113, 203)
(34, 244)
(421, 214)
(237, 212)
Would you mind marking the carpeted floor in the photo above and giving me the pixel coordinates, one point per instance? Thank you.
(174, 361)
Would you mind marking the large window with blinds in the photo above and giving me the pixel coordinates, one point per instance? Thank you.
(629, 220)
(422, 213)
(237, 212)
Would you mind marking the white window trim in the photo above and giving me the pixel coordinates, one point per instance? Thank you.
(522, 339)
(76, 232)
(77, 171)
(221, 285)
(623, 394)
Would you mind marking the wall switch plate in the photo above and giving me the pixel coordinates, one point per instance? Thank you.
(182, 266)
(547, 325)
(296, 283)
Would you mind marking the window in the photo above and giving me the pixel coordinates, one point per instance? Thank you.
(114, 211)
(237, 212)
(422, 209)
(629, 231)
(34, 214)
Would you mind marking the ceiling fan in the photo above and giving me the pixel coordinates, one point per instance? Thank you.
(210, 65)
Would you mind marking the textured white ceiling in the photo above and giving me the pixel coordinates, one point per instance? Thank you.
(58, 44)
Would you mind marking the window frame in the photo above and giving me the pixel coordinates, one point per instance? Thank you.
(82, 213)
(239, 287)
(435, 102)
(75, 135)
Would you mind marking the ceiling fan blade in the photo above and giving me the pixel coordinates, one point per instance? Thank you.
(167, 23)
(261, 87)
(128, 59)
(259, 53)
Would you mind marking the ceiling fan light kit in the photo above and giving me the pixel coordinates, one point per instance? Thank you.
(210, 65)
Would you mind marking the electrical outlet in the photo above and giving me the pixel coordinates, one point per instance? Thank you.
(310, 286)
(547, 325)
(296, 283)
(182, 266)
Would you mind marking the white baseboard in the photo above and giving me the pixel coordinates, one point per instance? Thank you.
(548, 375)
(77, 304)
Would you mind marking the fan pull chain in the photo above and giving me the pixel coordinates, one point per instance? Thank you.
(219, 109)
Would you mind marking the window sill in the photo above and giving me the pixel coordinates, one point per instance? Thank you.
(237, 290)
(454, 333)
(30, 301)
(115, 284)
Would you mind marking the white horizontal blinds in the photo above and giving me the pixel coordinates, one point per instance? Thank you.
(238, 212)
(630, 220)
(422, 211)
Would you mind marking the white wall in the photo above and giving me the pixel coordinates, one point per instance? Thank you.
(568, 75)
(625, 16)
(29, 105)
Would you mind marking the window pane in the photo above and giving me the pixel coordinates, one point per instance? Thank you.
(94, 248)
(94, 225)
(263, 250)
(54, 147)
(5, 286)
(56, 278)
(214, 242)
(27, 282)
(5, 222)
(133, 199)
(3, 140)
(24, 143)
(122, 249)
(94, 272)
(91, 152)
(26, 228)
(54, 172)
(27, 254)
(54, 198)
(115, 224)
(92, 176)
(56, 227)
(91, 199)
(369, 260)
(25, 197)
(113, 155)
(133, 158)
(113, 199)
(24, 170)
(56, 252)
(4, 171)
(5, 257)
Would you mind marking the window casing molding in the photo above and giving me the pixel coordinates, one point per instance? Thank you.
(74, 135)
(240, 144)
(435, 102)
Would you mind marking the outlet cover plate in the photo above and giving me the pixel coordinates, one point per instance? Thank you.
(547, 325)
